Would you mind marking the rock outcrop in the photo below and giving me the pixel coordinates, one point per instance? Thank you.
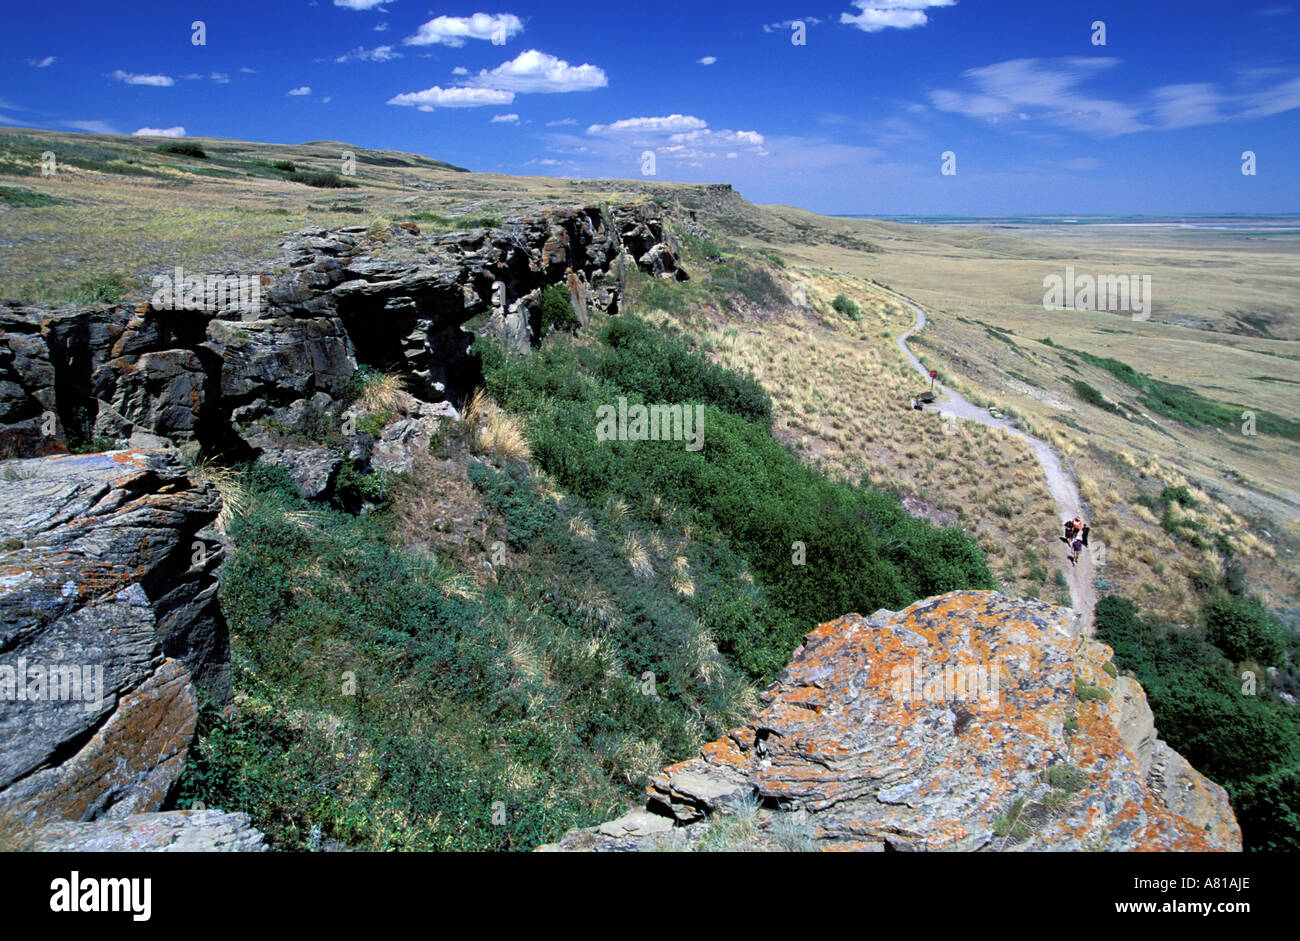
(176, 831)
(110, 630)
(270, 376)
(969, 721)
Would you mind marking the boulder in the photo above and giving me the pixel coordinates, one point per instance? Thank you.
(921, 729)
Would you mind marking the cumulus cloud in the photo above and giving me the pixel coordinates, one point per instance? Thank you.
(505, 119)
(41, 63)
(670, 124)
(300, 90)
(177, 131)
(707, 60)
(359, 4)
(455, 30)
(437, 97)
(131, 78)
(534, 71)
(876, 15)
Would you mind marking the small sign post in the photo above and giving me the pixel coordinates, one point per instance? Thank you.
(934, 374)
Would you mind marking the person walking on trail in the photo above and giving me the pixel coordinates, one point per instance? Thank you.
(1083, 533)
(1071, 528)
(1077, 548)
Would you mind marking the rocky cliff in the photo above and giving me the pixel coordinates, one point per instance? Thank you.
(264, 372)
(969, 721)
(110, 629)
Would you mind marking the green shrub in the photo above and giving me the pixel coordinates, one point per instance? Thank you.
(846, 307)
(863, 550)
(288, 166)
(1091, 396)
(182, 149)
(322, 179)
(1244, 630)
(557, 310)
(1249, 744)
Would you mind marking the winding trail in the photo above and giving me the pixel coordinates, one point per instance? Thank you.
(1083, 597)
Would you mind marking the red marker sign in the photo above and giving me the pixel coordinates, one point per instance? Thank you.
(934, 374)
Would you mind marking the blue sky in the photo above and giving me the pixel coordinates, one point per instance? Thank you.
(854, 120)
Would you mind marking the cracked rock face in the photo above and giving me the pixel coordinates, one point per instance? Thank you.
(109, 621)
(956, 724)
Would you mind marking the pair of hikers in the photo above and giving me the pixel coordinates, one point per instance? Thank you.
(1076, 538)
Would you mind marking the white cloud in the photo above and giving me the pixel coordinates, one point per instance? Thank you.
(534, 71)
(362, 54)
(41, 63)
(707, 60)
(876, 15)
(436, 97)
(1021, 90)
(359, 4)
(160, 132)
(93, 127)
(670, 124)
(786, 25)
(247, 71)
(300, 90)
(455, 30)
(381, 27)
(158, 81)
(561, 122)
(221, 78)
(505, 119)
(460, 70)
(1187, 105)
(708, 138)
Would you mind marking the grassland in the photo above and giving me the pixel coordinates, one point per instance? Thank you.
(1223, 331)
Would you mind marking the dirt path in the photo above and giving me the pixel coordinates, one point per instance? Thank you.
(1083, 597)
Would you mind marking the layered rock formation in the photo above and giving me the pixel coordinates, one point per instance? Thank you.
(110, 630)
(270, 374)
(969, 721)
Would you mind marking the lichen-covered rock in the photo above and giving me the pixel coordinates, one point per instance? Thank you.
(108, 619)
(175, 831)
(968, 721)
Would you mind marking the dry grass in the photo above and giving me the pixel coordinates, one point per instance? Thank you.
(385, 392)
(499, 434)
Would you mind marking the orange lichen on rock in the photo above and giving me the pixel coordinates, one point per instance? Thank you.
(925, 728)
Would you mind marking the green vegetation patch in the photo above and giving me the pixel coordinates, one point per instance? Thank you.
(1185, 405)
(27, 199)
(1225, 726)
